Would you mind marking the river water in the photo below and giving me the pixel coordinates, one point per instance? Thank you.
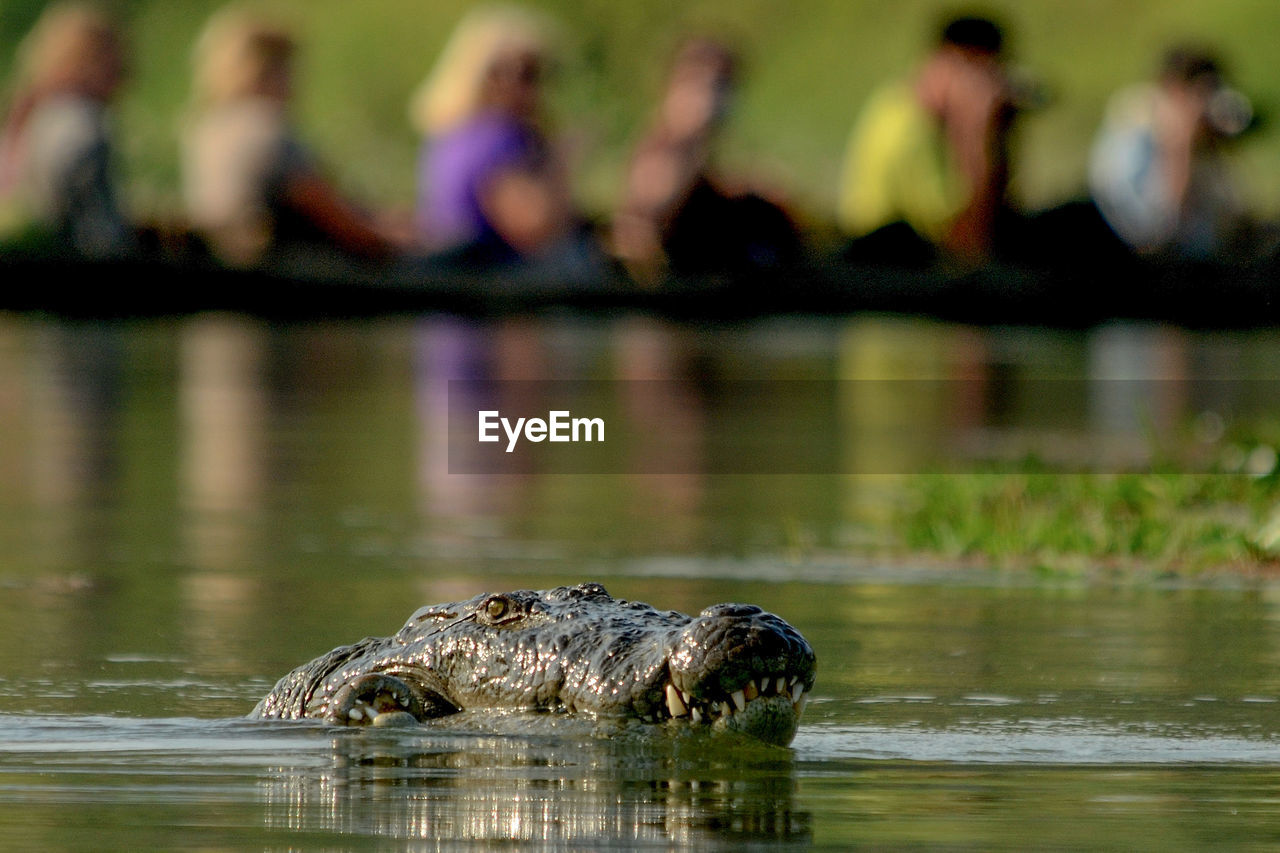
(191, 507)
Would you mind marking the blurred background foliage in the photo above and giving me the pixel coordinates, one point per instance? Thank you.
(810, 65)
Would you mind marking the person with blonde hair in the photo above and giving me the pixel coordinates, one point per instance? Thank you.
(489, 186)
(253, 191)
(56, 180)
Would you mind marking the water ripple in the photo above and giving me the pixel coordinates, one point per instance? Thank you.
(1044, 742)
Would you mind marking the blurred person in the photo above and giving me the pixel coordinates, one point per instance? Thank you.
(253, 190)
(676, 213)
(57, 186)
(1157, 169)
(927, 164)
(491, 189)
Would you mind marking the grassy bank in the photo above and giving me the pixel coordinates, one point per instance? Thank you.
(811, 64)
(1085, 525)
(1197, 508)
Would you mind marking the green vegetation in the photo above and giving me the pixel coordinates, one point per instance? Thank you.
(810, 65)
(1081, 524)
(1222, 517)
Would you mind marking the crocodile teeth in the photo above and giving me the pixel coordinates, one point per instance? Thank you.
(680, 703)
(355, 714)
(674, 703)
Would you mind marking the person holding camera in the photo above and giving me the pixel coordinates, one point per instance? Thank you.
(927, 166)
(1157, 169)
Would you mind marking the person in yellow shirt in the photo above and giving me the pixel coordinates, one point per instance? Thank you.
(926, 166)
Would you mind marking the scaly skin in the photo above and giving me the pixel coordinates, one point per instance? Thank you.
(569, 649)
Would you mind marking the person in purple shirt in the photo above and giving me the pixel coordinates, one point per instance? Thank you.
(489, 185)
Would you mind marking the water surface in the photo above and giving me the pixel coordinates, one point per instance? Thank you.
(192, 507)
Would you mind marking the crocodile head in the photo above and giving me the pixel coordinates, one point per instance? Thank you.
(569, 650)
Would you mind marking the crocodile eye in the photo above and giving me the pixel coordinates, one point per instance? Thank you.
(497, 607)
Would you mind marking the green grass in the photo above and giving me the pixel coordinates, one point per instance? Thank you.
(1220, 513)
(811, 63)
(1058, 523)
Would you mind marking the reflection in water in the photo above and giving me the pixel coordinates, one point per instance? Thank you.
(224, 404)
(216, 431)
(657, 365)
(72, 446)
(14, 406)
(906, 389)
(445, 349)
(548, 792)
(453, 359)
(217, 428)
(107, 783)
(224, 443)
(970, 711)
(1139, 378)
(189, 508)
(907, 386)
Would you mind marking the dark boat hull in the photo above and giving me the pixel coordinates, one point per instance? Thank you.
(1211, 296)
